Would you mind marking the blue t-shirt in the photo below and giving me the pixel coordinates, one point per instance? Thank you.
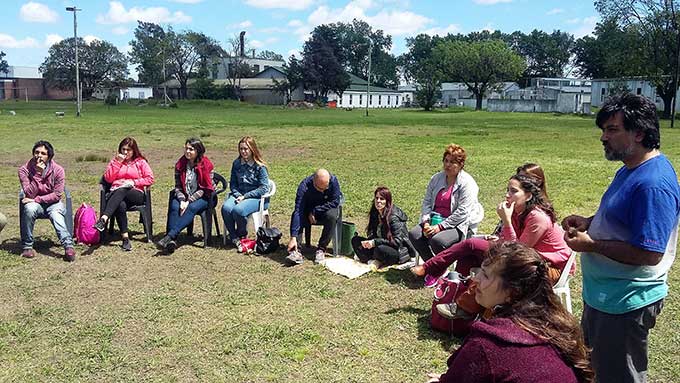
(640, 207)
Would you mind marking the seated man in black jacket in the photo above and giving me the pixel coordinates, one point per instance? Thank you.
(316, 202)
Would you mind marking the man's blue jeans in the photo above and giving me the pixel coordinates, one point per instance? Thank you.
(55, 212)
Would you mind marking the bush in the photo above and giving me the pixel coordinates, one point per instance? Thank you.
(111, 99)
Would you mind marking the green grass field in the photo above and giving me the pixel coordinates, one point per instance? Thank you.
(215, 315)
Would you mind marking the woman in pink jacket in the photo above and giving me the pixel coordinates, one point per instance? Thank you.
(128, 173)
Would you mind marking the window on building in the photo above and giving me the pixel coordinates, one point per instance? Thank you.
(388, 100)
(370, 99)
(379, 100)
(639, 91)
(141, 96)
(361, 99)
(350, 99)
(603, 94)
(215, 71)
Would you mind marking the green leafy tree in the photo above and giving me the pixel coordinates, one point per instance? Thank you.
(419, 66)
(269, 55)
(481, 66)
(294, 78)
(101, 65)
(322, 59)
(186, 52)
(149, 49)
(658, 25)
(4, 67)
(546, 54)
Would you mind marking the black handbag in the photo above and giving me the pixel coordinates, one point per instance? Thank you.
(267, 240)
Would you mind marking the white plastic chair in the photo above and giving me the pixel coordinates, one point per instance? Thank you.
(561, 288)
(259, 217)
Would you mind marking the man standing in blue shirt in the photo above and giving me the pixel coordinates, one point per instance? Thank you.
(628, 246)
(316, 203)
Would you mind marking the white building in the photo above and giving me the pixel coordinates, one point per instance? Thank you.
(355, 96)
(602, 88)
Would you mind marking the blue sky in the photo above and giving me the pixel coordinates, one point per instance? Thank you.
(30, 27)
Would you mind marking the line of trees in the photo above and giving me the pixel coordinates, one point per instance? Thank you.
(634, 38)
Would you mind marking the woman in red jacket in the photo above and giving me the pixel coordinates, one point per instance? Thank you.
(193, 188)
(128, 173)
(530, 338)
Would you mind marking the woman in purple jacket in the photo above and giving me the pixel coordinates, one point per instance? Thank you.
(530, 337)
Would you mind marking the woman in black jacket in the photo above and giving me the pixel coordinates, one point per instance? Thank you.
(387, 242)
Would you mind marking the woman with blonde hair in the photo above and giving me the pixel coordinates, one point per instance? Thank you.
(249, 181)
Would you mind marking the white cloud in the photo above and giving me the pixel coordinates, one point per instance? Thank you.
(573, 21)
(90, 38)
(37, 13)
(242, 25)
(187, 1)
(488, 27)
(296, 52)
(7, 41)
(585, 27)
(125, 49)
(257, 44)
(295, 23)
(491, 2)
(555, 11)
(52, 39)
(295, 5)
(117, 14)
(273, 30)
(452, 28)
(120, 30)
(393, 22)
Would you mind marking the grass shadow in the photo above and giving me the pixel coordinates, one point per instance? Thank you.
(424, 331)
(41, 246)
(404, 278)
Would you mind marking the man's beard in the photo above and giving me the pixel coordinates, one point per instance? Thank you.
(613, 155)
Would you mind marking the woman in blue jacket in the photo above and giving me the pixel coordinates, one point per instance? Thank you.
(249, 181)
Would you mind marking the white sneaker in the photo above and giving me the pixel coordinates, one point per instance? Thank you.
(374, 264)
(295, 257)
(319, 256)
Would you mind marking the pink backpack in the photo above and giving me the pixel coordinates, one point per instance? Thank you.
(85, 219)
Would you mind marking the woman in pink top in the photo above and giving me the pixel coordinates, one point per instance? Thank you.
(526, 217)
(127, 173)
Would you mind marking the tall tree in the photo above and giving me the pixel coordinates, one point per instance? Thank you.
(269, 55)
(481, 66)
(658, 24)
(354, 39)
(208, 49)
(420, 67)
(294, 78)
(101, 65)
(185, 52)
(149, 49)
(4, 67)
(546, 54)
(322, 60)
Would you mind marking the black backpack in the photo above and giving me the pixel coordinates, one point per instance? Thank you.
(267, 240)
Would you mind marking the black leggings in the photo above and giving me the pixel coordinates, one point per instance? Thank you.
(118, 202)
(384, 254)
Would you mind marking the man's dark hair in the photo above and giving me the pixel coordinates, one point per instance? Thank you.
(639, 114)
(47, 145)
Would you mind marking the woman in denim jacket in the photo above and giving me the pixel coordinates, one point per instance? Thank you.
(249, 181)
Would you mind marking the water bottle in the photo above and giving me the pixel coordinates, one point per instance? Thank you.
(435, 219)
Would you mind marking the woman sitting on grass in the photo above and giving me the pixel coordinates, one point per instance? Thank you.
(128, 173)
(387, 242)
(249, 181)
(193, 189)
(452, 196)
(530, 337)
(526, 217)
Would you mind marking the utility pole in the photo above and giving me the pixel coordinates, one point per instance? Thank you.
(677, 64)
(75, 43)
(368, 80)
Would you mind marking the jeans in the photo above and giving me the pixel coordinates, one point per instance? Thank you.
(178, 222)
(235, 215)
(55, 212)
